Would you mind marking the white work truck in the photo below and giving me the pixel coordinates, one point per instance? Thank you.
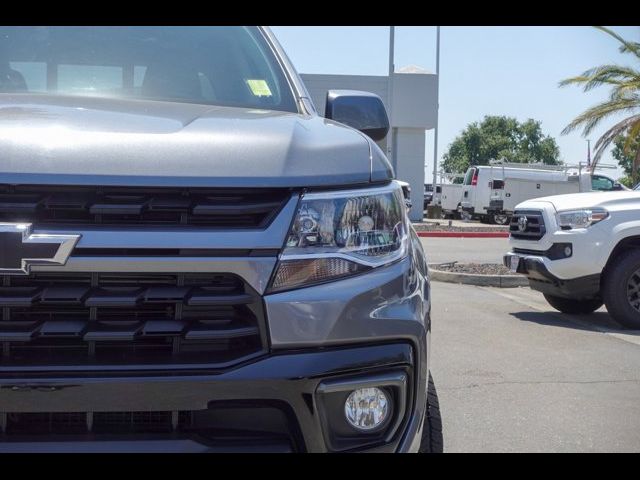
(580, 251)
(449, 197)
(491, 192)
(448, 194)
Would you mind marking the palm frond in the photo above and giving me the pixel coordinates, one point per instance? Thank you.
(591, 117)
(624, 89)
(632, 135)
(618, 129)
(604, 74)
(624, 49)
(624, 98)
(627, 46)
(605, 140)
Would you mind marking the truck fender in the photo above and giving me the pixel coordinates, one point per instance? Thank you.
(623, 235)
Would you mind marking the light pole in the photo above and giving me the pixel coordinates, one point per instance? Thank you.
(435, 131)
(392, 31)
(589, 154)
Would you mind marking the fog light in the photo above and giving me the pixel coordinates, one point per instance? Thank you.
(367, 408)
(567, 251)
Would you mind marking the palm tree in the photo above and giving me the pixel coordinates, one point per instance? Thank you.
(624, 99)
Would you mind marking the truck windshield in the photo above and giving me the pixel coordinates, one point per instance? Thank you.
(230, 66)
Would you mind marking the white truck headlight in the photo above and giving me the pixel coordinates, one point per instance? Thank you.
(583, 218)
(342, 233)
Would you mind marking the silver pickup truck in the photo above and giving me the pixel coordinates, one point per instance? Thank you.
(191, 259)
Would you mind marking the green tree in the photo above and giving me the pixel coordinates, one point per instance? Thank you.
(627, 181)
(500, 137)
(624, 99)
(624, 150)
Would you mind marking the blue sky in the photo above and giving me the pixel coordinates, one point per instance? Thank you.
(483, 70)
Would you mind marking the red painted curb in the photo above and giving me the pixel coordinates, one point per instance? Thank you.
(464, 234)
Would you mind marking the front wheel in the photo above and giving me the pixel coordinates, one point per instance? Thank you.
(432, 441)
(621, 289)
(499, 218)
(569, 305)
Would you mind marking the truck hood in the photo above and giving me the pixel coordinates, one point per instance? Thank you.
(586, 200)
(48, 139)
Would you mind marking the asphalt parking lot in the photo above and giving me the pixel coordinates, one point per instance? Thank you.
(515, 376)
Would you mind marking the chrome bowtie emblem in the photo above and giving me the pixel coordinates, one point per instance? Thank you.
(522, 224)
(20, 248)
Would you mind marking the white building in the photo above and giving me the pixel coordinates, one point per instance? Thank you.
(412, 111)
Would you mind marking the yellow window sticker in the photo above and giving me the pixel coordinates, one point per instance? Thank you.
(260, 88)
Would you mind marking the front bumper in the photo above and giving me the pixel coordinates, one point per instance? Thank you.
(288, 381)
(542, 280)
(590, 254)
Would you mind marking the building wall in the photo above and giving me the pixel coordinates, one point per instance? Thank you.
(413, 112)
(409, 154)
(414, 100)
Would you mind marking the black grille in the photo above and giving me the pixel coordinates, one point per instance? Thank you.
(241, 423)
(535, 227)
(128, 319)
(71, 205)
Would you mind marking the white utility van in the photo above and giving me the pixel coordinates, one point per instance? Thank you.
(448, 194)
(449, 197)
(492, 192)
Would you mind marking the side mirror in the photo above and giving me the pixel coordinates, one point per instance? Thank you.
(361, 110)
(617, 186)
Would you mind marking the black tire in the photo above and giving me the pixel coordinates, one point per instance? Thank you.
(615, 288)
(458, 213)
(568, 305)
(497, 219)
(432, 440)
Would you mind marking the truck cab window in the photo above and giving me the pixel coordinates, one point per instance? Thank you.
(600, 183)
(469, 176)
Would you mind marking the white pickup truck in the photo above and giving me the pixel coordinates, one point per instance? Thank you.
(581, 250)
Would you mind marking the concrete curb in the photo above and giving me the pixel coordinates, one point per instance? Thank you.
(464, 234)
(500, 281)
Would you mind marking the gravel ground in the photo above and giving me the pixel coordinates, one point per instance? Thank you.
(444, 227)
(475, 268)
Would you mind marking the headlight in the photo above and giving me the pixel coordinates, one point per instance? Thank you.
(581, 218)
(342, 233)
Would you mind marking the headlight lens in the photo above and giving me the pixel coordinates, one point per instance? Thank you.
(583, 218)
(337, 234)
